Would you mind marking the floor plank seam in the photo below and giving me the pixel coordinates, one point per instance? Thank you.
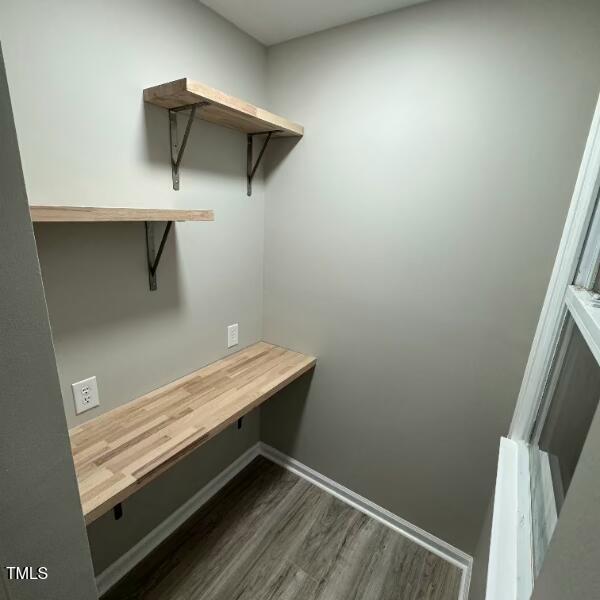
(124, 565)
(414, 533)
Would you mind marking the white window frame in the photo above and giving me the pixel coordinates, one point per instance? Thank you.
(510, 568)
(585, 310)
(554, 310)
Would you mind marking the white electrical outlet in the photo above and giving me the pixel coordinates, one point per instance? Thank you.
(232, 335)
(85, 393)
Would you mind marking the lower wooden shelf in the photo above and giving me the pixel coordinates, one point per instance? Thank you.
(98, 214)
(119, 452)
(94, 214)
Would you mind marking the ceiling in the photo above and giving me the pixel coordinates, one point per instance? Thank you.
(274, 21)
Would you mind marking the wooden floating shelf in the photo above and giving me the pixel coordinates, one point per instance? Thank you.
(121, 451)
(217, 107)
(221, 109)
(92, 214)
(149, 216)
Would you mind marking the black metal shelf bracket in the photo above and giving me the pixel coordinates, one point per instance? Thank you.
(178, 149)
(153, 255)
(251, 169)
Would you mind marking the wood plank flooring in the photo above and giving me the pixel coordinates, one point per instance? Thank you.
(269, 535)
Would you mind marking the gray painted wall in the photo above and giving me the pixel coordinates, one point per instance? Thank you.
(481, 557)
(39, 502)
(410, 236)
(376, 257)
(76, 72)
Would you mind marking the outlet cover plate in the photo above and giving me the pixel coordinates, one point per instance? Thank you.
(85, 394)
(232, 335)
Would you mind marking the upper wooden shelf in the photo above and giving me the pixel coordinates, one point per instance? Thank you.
(121, 451)
(90, 214)
(221, 108)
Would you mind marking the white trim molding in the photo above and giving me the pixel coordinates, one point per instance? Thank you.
(130, 559)
(554, 311)
(510, 570)
(387, 518)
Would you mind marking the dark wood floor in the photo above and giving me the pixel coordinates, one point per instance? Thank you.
(270, 535)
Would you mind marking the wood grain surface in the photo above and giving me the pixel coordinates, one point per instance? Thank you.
(270, 535)
(222, 108)
(91, 214)
(122, 450)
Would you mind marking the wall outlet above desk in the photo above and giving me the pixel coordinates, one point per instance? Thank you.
(232, 335)
(85, 394)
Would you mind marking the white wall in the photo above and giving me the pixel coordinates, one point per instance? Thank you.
(410, 237)
(76, 71)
